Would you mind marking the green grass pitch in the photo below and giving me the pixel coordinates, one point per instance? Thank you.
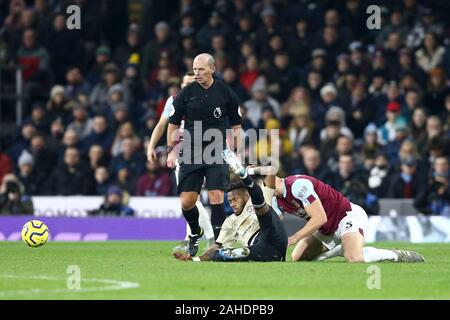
(146, 270)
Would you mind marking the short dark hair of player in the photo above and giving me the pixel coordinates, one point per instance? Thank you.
(236, 186)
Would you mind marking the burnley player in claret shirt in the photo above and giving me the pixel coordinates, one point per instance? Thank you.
(335, 226)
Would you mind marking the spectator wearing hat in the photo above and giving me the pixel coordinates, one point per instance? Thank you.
(117, 94)
(358, 58)
(370, 145)
(156, 181)
(102, 58)
(328, 98)
(318, 64)
(31, 179)
(69, 177)
(58, 105)
(336, 116)
(113, 205)
(131, 46)
(81, 124)
(260, 99)
(407, 183)
(98, 98)
(387, 132)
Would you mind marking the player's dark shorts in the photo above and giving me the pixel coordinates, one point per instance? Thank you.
(272, 241)
(191, 177)
(270, 244)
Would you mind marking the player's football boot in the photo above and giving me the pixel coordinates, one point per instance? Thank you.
(194, 239)
(231, 254)
(232, 160)
(408, 256)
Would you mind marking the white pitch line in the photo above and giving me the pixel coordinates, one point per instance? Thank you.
(111, 285)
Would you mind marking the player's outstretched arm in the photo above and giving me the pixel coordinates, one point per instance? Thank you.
(171, 141)
(155, 137)
(317, 219)
(207, 256)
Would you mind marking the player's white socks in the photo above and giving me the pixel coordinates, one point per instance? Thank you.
(372, 254)
(204, 221)
(335, 252)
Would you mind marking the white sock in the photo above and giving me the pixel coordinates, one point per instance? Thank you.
(372, 254)
(204, 220)
(335, 252)
(188, 232)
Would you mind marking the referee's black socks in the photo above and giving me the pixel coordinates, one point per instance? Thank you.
(255, 192)
(217, 218)
(191, 217)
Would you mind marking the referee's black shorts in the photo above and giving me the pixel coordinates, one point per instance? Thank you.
(191, 177)
(272, 240)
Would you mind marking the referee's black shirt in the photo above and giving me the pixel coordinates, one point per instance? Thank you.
(215, 107)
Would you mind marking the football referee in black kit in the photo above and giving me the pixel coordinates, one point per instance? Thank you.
(206, 103)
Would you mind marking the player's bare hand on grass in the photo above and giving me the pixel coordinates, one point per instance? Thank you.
(292, 240)
(182, 256)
